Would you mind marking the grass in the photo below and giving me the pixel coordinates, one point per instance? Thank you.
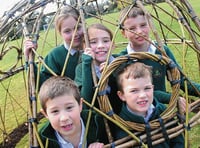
(14, 103)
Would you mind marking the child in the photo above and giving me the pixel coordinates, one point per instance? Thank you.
(65, 24)
(135, 89)
(62, 105)
(136, 29)
(100, 39)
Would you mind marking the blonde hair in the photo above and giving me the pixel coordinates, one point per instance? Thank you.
(65, 13)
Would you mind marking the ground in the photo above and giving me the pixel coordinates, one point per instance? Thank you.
(15, 136)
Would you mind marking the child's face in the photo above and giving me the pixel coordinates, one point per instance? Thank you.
(100, 43)
(67, 30)
(140, 26)
(138, 94)
(63, 113)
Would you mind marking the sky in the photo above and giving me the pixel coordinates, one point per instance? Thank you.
(7, 5)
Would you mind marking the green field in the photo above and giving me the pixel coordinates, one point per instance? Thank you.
(14, 104)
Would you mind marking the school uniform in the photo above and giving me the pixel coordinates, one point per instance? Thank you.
(159, 73)
(55, 60)
(96, 133)
(153, 113)
(84, 80)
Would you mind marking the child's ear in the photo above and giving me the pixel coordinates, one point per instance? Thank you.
(44, 113)
(81, 104)
(113, 46)
(123, 33)
(120, 95)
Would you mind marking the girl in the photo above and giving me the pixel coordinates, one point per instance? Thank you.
(100, 39)
(65, 23)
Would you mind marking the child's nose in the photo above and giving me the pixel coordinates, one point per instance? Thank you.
(138, 30)
(64, 117)
(142, 94)
(100, 44)
(75, 32)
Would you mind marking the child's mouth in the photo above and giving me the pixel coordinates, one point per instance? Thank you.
(101, 52)
(67, 127)
(142, 103)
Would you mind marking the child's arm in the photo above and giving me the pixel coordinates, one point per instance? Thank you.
(83, 78)
(191, 90)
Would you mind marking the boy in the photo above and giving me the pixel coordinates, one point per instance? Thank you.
(62, 105)
(136, 29)
(135, 89)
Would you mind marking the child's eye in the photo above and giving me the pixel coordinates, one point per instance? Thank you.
(54, 111)
(148, 88)
(67, 31)
(93, 42)
(106, 41)
(132, 29)
(144, 25)
(69, 108)
(134, 91)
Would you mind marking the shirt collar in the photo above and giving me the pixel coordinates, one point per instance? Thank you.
(63, 143)
(72, 51)
(149, 112)
(97, 68)
(152, 49)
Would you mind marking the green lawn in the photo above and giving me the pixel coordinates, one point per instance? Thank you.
(14, 103)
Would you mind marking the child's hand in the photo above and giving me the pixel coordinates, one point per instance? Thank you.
(102, 65)
(96, 145)
(88, 51)
(28, 45)
(182, 104)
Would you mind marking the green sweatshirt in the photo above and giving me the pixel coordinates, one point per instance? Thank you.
(96, 133)
(85, 82)
(159, 73)
(55, 61)
(177, 142)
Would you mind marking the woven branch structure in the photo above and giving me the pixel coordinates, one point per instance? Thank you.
(183, 14)
(170, 113)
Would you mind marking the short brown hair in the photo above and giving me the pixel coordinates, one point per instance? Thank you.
(134, 70)
(57, 86)
(134, 12)
(64, 13)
